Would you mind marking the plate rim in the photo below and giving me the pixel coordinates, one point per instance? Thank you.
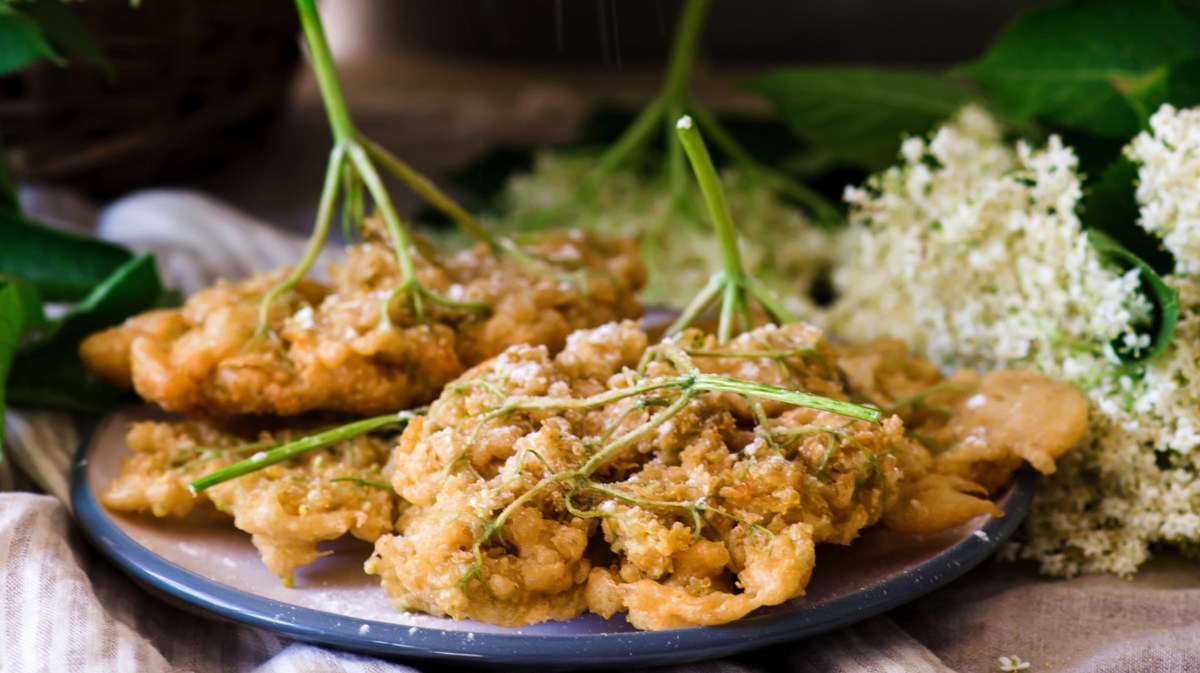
(493, 650)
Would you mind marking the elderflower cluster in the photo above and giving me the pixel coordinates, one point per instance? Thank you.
(972, 251)
(1138, 482)
(678, 242)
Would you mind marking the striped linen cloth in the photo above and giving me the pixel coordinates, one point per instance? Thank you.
(64, 609)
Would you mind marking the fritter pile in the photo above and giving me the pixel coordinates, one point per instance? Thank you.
(334, 347)
(539, 487)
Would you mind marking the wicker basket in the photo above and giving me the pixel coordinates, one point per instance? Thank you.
(195, 80)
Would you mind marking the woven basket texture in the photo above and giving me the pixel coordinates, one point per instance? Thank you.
(195, 81)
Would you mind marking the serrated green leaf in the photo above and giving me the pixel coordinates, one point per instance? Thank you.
(1069, 62)
(22, 41)
(66, 32)
(858, 115)
(1164, 298)
(63, 266)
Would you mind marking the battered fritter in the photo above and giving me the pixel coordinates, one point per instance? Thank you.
(332, 347)
(287, 508)
(701, 517)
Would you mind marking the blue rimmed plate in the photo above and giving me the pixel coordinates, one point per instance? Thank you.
(206, 565)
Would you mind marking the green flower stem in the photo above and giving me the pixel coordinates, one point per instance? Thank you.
(714, 196)
(401, 244)
(327, 79)
(733, 285)
(351, 169)
(316, 240)
(771, 355)
(794, 397)
(424, 188)
(707, 295)
(301, 446)
(764, 296)
(427, 190)
(683, 53)
(686, 383)
(821, 208)
(617, 445)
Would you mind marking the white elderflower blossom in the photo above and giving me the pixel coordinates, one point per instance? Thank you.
(973, 253)
(778, 243)
(1136, 483)
(1168, 176)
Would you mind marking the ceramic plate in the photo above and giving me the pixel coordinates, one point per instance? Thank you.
(211, 567)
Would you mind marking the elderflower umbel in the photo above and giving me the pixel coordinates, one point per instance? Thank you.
(1136, 484)
(681, 248)
(973, 253)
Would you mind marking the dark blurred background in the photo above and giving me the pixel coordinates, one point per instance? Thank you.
(213, 95)
(616, 33)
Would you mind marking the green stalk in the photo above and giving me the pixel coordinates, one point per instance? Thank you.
(793, 397)
(383, 202)
(707, 295)
(299, 447)
(327, 79)
(316, 240)
(424, 188)
(683, 52)
(689, 383)
(714, 196)
(821, 208)
(733, 284)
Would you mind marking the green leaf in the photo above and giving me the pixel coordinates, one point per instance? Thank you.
(64, 266)
(1164, 298)
(50, 382)
(32, 307)
(67, 33)
(22, 41)
(132, 288)
(1073, 63)
(1177, 84)
(1110, 207)
(48, 371)
(11, 319)
(858, 115)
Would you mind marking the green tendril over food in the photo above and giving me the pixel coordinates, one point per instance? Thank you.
(301, 446)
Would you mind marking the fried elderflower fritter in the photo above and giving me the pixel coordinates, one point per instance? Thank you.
(287, 508)
(332, 347)
(978, 430)
(542, 487)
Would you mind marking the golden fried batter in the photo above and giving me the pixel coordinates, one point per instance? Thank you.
(978, 430)
(333, 348)
(287, 508)
(545, 486)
